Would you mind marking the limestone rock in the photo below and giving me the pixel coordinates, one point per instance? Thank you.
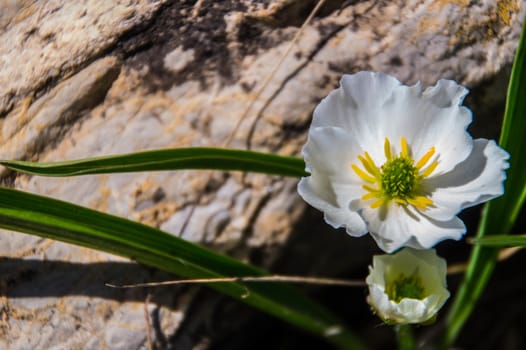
(90, 78)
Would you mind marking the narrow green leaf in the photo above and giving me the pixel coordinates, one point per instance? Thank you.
(500, 214)
(404, 337)
(169, 159)
(501, 241)
(50, 218)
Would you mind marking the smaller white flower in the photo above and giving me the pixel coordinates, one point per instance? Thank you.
(408, 286)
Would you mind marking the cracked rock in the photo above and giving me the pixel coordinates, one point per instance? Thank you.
(91, 78)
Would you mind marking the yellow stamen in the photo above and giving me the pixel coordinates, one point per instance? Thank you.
(420, 202)
(373, 165)
(387, 149)
(369, 165)
(400, 201)
(369, 195)
(429, 169)
(425, 158)
(370, 189)
(362, 174)
(405, 148)
(378, 203)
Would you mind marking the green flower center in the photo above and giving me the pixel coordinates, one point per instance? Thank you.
(398, 178)
(405, 287)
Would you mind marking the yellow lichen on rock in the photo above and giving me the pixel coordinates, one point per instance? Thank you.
(506, 9)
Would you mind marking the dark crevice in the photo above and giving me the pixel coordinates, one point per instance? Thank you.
(195, 328)
(248, 232)
(290, 132)
(294, 13)
(257, 31)
(174, 27)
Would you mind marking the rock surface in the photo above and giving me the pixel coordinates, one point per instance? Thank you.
(89, 78)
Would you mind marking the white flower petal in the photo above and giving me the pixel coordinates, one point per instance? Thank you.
(379, 300)
(406, 227)
(330, 150)
(424, 124)
(353, 223)
(446, 93)
(316, 191)
(373, 106)
(359, 93)
(477, 179)
(390, 228)
(327, 165)
(357, 107)
(427, 232)
(431, 305)
(411, 311)
(377, 274)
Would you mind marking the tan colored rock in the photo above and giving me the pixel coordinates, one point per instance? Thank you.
(47, 40)
(83, 79)
(29, 130)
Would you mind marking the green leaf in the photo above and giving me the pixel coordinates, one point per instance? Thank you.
(404, 337)
(170, 159)
(501, 241)
(500, 214)
(70, 223)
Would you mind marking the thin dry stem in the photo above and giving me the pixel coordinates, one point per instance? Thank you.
(273, 278)
(504, 254)
(197, 8)
(148, 324)
(273, 72)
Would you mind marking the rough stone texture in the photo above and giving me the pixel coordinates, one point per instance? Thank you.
(88, 78)
(47, 40)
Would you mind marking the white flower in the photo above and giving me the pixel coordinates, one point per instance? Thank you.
(397, 162)
(408, 286)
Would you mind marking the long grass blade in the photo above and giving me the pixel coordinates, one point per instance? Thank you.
(501, 241)
(54, 219)
(168, 159)
(500, 214)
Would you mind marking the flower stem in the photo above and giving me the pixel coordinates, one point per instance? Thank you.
(404, 336)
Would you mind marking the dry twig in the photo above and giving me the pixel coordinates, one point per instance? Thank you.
(273, 278)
